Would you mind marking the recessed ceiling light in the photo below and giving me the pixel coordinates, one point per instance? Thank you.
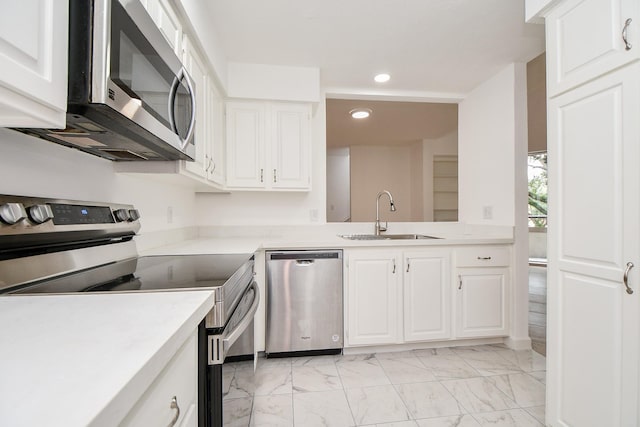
(360, 113)
(381, 78)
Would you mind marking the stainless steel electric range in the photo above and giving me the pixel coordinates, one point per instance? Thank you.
(50, 246)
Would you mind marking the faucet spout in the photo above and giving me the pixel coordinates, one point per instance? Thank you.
(392, 207)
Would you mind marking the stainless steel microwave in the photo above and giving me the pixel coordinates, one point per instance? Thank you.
(129, 96)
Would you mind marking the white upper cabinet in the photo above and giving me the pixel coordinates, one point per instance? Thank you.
(268, 145)
(215, 166)
(167, 21)
(197, 69)
(33, 63)
(587, 39)
(290, 144)
(245, 144)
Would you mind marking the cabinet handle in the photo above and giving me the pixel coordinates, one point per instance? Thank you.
(627, 45)
(174, 405)
(394, 267)
(484, 258)
(625, 279)
(275, 177)
(408, 265)
(459, 281)
(261, 175)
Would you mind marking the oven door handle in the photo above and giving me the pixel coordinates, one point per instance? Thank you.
(233, 336)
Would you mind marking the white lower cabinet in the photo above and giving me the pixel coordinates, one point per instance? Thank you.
(482, 292)
(427, 295)
(178, 380)
(373, 294)
(395, 296)
(481, 302)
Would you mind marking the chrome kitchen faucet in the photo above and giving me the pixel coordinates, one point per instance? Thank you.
(379, 228)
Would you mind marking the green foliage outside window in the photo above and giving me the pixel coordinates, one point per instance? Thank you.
(538, 190)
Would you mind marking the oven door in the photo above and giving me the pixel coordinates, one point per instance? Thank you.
(233, 343)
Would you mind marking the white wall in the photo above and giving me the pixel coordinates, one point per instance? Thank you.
(486, 151)
(338, 185)
(198, 14)
(34, 167)
(273, 82)
(274, 208)
(492, 161)
(377, 168)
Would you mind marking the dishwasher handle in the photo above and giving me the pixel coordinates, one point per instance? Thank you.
(304, 262)
(307, 257)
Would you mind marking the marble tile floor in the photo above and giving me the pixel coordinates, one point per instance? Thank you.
(475, 386)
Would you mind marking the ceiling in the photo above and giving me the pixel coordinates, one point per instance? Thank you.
(428, 46)
(390, 123)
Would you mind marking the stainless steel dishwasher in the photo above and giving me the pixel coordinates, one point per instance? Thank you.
(304, 302)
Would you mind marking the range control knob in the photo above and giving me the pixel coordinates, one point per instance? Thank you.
(40, 213)
(12, 213)
(134, 214)
(121, 215)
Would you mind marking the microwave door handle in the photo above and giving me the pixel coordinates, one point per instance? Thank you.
(233, 336)
(173, 91)
(192, 93)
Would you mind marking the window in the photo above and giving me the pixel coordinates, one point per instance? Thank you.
(537, 172)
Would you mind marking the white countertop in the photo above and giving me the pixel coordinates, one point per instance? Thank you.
(313, 239)
(78, 360)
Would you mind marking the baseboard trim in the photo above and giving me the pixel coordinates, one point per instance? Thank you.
(518, 343)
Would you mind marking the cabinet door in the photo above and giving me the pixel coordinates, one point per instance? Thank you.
(290, 144)
(167, 21)
(245, 144)
(427, 296)
(197, 69)
(594, 135)
(372, 297)
(216, 163)
(179, 379)
(586, 40)
(33, 63)
(481, 302)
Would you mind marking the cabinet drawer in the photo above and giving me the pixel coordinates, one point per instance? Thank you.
(179, 378)
(482, 256)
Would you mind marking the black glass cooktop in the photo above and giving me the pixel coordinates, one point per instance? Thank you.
(148, 273)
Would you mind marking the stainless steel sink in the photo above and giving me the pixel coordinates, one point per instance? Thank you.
(386, 236)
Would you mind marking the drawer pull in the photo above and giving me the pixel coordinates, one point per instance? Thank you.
(627, 45)
(484, 258)
(174, 405)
